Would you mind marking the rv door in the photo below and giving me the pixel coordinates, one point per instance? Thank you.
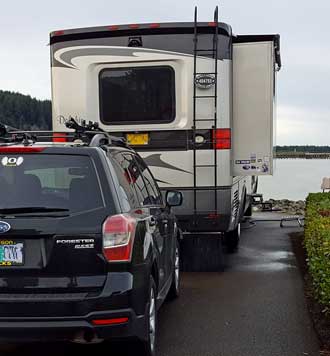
(254, 70)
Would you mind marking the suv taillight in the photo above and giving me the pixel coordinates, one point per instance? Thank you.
(118, 238)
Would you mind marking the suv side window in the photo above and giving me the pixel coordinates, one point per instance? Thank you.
(152, 187)
(128, 197)
(137, 180)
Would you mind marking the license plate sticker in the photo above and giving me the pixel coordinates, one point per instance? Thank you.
(11, 253)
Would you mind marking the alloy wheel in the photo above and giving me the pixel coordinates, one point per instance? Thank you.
(152, 319)
(177, 268)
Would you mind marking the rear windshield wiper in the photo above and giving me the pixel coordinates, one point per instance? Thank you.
(31, 209)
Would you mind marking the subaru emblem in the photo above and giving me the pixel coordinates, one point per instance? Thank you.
(4, 227)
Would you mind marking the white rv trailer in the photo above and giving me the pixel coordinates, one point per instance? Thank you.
(196, 101)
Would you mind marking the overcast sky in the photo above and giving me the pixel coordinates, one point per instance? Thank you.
(303, 83)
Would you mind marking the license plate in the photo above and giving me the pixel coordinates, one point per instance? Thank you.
(11, 253)
(137, 139)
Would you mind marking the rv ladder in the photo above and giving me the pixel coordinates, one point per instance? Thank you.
(213, 53)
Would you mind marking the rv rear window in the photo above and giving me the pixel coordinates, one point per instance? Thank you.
(137, 95)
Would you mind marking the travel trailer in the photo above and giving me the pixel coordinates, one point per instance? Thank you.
(196, 101)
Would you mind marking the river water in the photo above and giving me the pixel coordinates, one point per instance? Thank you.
(294, 178)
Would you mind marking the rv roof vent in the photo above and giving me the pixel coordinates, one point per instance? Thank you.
(135, 42)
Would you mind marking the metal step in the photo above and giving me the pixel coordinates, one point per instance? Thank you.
(205, 50)
(205, 166)
(205, 73)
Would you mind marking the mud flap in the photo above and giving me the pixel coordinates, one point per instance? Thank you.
(202, 253)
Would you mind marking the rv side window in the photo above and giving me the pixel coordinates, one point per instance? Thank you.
(138, 95)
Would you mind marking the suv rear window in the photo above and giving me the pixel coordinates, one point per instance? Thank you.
(137, 95)
(54, 181)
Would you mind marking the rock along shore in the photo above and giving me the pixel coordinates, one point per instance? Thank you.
(286, 206)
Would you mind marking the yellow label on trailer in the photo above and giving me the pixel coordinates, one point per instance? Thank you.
(137, 139)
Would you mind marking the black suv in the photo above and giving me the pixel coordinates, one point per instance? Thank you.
(88, 249)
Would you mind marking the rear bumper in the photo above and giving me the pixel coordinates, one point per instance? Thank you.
(29, 319)
(73, 329)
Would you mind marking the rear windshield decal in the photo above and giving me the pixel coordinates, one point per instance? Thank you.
(12, 161)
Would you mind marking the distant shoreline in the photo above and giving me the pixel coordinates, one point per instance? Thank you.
(301, 155)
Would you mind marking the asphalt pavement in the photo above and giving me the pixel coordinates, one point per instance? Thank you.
(255, 308)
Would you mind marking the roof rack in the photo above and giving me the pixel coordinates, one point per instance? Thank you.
(24, 138)
(88, 134)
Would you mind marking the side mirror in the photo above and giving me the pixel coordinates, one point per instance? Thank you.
(174, 198)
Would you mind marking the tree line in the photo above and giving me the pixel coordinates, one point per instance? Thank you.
(24, 112)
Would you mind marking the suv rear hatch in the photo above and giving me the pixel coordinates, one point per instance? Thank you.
(51, 214)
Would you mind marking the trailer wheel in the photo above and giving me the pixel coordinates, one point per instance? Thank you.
(232, 238)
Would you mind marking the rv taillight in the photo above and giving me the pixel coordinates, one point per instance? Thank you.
(212, 24)
(20, 149)
(58, 33)
(134, 26)
(154, 25)
(60, 137)
(113, 27)
(222, 139)
(118, 238)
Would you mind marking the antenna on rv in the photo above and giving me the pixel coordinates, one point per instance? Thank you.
(216, 14)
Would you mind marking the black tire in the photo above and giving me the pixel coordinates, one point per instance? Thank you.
(248, 211)
(149, 345)
(232, 239)
(174, 291)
